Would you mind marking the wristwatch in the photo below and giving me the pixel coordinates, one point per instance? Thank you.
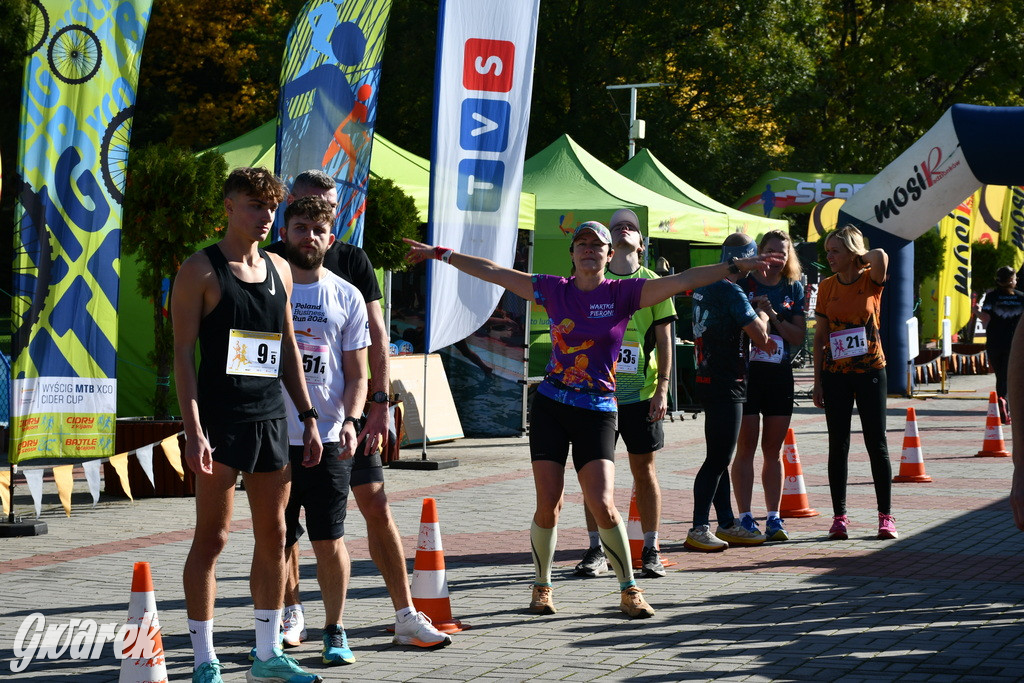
(379, 397)
(733, 268)
(306, 414)
(353, 420)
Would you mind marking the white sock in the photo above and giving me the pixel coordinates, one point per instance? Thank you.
(650, 539)
(595, 539)
(201, 633)
(773, 513)
(404, 613)
(746, 514)
(268, 624)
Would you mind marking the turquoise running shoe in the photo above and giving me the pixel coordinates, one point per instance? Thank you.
(279, 669)
(208, 672)
(336, 651)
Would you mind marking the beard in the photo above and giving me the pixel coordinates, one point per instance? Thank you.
(303, 260)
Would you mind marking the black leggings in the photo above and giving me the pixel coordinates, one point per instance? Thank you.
(721, 430)
(999, 359)
(868, 389)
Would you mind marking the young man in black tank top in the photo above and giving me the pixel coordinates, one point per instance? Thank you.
(233, 298)
(385, 542)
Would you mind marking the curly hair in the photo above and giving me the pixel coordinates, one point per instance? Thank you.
(255, 182)
(314, 208)
(791, 272)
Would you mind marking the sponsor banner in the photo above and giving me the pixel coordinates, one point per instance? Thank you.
(327, 107)
(78, 100)
(1013, 223)
(915, 191)
(954, 279)
(780, 192)
(483, 86)
(63, 417)
(987, 214)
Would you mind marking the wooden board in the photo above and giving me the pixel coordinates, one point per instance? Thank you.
(441, 417)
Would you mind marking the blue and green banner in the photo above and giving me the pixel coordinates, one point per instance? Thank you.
(327, 106)
(81, 72)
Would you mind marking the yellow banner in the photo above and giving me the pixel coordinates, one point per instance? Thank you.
(1013, 223)
(988, 210)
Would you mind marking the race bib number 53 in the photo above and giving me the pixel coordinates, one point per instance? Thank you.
(257, 354)
(629, 358)
(848, 343)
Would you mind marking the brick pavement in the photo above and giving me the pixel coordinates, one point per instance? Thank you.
(942, 603)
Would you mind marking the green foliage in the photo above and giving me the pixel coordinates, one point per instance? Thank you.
(172, 203)
(986, 259)
(390, 215)
(929, 252)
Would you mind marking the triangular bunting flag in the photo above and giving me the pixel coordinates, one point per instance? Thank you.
(120, 464)
(92, 477)
(34, 478)
(62, 476)
(173, 454)
(145, 456)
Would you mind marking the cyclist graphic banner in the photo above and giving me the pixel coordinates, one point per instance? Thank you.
(327, 106)
(483, 85)
(81, 72)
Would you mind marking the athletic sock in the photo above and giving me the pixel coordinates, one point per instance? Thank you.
(404, 613)
(650, 539)
(746, 514)
(201, 633)
(595, 539)
(542, 543)
(616, 547)
(268, 625)
(773, 513)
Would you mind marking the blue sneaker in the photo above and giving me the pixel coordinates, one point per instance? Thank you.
(750, 525)
(208, 672)
(775, 529)
(279, 669)
(336, 650)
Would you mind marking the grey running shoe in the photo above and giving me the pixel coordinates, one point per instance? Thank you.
(737, 534)
(594, 563)
(702, 540)
(650, 559)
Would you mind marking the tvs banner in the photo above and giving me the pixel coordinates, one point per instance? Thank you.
(327, 107)
(77, 105)
(483, 85)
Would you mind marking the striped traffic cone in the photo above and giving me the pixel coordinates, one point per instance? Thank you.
(142, 653)
(912, 462)
(794, 493)
(635, 534)
(429, 584)
(994, 446)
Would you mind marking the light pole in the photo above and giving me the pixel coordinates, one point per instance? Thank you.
(636, 126)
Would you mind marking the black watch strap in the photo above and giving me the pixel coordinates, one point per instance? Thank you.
(733, 268)
(379, 397)
(306, 414)
(353, 420)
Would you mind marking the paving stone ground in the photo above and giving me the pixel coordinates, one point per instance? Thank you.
(942, 603)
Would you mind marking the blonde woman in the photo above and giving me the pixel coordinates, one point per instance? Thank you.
(849, 366)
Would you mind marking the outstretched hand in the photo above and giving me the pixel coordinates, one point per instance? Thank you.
(761, 262)
(418, 251)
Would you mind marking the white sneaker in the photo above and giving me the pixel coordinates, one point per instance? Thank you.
(293, 629)
(417, 630)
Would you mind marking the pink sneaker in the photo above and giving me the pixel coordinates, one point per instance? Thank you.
(838, 530)
(886, 526)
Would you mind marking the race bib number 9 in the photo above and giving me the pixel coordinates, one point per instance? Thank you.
(848, 343)
(629, 358)
(760, 356)
(256, 354)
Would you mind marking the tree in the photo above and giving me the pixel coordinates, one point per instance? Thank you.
(173, 202)
(390, 215)
(986, 259)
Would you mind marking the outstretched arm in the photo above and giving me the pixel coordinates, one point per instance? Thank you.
(517, 282)
(659, 289)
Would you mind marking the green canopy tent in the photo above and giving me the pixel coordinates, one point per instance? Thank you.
(647, 170)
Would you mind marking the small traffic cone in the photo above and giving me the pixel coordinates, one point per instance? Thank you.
(142, 656)
(994, 446)
(429, 584)
(912, 462)
(635, 534)
(794, 493)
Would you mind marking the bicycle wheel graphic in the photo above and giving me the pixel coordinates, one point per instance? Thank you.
(32, 265)
(38, 26)
(114, 153)
(74, 54)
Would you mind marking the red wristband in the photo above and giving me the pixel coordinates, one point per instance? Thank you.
(443, 253)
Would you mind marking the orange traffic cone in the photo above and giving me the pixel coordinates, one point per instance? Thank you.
(993, 447)
(142, 654)
(635, 533)
(429, 585)
(794, 493)
(912, 462)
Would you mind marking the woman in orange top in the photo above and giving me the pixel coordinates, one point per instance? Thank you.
(849, 365)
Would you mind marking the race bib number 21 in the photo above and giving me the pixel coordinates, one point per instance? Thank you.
(256, 354)
(848, 343)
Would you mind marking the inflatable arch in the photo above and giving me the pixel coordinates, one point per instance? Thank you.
(968, 147)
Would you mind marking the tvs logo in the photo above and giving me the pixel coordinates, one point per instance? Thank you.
(488, 67)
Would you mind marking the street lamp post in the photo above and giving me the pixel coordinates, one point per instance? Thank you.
(636, 126)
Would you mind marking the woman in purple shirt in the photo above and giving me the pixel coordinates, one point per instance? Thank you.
(575, 403)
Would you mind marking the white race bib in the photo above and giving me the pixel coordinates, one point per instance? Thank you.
(629, 358)
(314, 361)
(848, 343)
(256, 354)
(760, 356)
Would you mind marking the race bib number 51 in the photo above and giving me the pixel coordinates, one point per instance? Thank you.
(257, 354)
(848, 343)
